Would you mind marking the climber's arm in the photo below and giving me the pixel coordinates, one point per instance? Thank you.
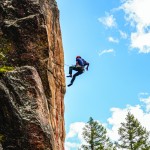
(87, 65)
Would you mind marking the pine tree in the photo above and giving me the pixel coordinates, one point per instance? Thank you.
(132, 135)
(95, 136)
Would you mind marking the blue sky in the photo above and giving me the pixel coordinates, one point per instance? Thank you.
(113, 36)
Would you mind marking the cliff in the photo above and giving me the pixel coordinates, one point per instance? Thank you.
(32, 93)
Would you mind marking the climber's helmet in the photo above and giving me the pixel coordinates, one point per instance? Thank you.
(78, 57)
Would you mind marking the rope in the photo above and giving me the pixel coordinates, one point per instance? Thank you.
(66, 65)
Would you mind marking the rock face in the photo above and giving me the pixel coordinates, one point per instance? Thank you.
(1, 147)
(32, 95)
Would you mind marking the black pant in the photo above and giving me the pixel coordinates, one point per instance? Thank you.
(79, 70)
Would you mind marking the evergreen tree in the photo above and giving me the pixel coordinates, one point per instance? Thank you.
(132, 135)
(95, 136)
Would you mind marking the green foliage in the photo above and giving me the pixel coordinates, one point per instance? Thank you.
(1, 138)
(6, 69)
(132, 135)
(5, 47)
(2, 56)
(95, 136)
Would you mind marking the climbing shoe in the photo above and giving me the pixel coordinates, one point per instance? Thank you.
(69, 84)
(70, 76)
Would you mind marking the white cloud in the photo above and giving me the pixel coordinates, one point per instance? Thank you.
(137, 15)
(141, 41)
(143, 94)
(147, 101)
(113, 40)
(75, 130)
(106, 51)
(118, 116)
(123, 34)
(145, 98)
(114, 122)
(108, 21)
(70, 145)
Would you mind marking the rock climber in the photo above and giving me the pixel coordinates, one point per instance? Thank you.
(79, 67)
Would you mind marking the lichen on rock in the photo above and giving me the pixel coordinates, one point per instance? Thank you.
(4, 69)
(32, 95)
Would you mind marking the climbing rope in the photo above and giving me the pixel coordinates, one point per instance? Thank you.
(67, 65)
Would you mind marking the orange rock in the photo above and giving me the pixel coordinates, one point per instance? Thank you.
(34, 32)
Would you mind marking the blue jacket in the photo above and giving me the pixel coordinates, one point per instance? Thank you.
(81, 62)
